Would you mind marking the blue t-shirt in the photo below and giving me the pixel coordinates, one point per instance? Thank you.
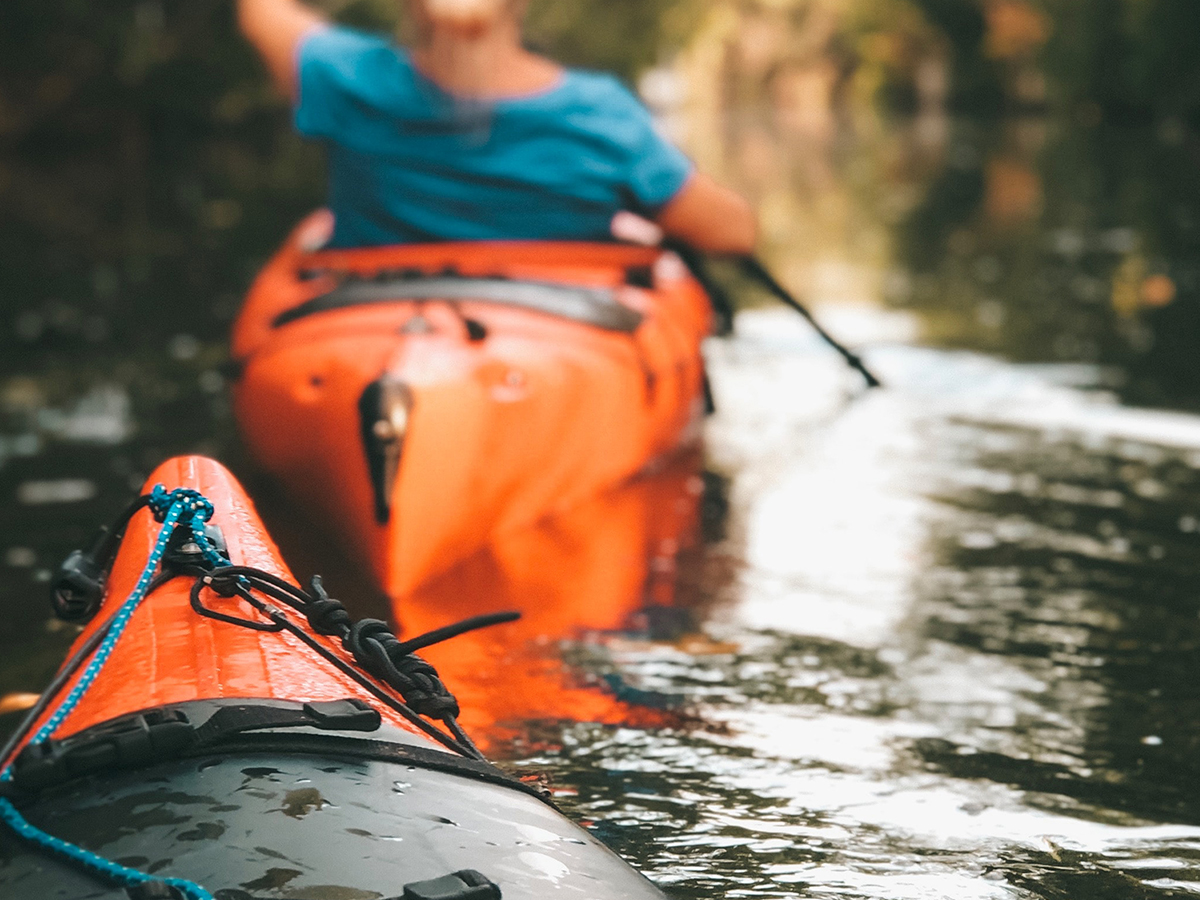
(409, 162)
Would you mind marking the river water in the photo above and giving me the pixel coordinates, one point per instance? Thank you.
(936, 640)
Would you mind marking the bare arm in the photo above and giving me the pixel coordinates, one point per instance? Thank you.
(275, 28)
(710, 217)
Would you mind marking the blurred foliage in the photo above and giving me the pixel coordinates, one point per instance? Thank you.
(1131, 59)
(145, 168)
(622, 36)
(975, 82)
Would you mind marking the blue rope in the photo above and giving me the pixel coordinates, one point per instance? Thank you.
(97, 865)
(169, 507)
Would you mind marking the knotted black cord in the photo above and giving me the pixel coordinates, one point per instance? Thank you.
(374, 647)
(276, 616)
(371, 642)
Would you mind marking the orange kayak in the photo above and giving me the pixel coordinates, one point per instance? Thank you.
(423, 399)
(217, 731)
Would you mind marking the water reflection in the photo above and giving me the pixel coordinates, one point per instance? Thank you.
(1082, 571)
(603, 570)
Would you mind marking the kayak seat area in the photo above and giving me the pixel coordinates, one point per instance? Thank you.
(593, 306)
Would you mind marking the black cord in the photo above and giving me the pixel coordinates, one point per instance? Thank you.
(371, 643)
(109, 539)
(277, 616)
(446, 632)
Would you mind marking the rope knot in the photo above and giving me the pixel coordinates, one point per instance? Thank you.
(378, 651)
(366, 639)
(426, 693)
(194, 506)
(326, 615)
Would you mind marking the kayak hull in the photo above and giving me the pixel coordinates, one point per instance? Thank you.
(507, 414)
(309, 826)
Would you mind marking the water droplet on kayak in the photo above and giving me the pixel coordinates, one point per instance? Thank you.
(260, 772)
(299, 803)
(204, 831)
(546, 866)
(272, 879)
(273, 854)
(536, 835)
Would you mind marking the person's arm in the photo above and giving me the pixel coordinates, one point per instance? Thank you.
(275, 28)
(710, 217)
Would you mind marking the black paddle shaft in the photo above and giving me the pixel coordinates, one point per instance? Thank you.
(756, 270)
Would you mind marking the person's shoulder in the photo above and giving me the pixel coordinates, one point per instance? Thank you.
(346, 74)
(588, 84)
(350, 50)
(599, 94)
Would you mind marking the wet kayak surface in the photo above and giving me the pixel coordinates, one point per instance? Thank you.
(936, 640)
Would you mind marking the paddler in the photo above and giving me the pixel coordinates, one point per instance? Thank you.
(467, 135)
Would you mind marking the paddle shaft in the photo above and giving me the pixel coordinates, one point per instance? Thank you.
(756, 270)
